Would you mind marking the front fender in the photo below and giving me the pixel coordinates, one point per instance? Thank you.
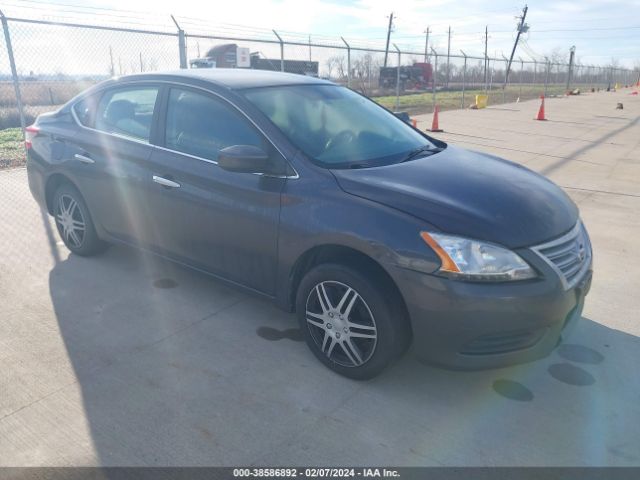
(316, 212)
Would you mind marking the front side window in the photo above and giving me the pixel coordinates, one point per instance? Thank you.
(127, 111)
(335, 126)
(200, 125)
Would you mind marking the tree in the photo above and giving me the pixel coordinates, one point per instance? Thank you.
(337, 63)
(559, 55)
(365, 69)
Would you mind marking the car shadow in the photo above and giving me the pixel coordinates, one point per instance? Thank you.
(175, 368)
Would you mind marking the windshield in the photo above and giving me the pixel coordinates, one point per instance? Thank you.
(336, 127)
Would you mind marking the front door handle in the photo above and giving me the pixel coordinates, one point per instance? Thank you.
(165, 182)
(84, 159)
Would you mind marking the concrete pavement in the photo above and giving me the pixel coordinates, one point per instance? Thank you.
(125, 359)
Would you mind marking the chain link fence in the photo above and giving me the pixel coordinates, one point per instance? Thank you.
(43, 64)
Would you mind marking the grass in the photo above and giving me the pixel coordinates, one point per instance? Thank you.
(419, 103)
(37, 97)
(11, 148)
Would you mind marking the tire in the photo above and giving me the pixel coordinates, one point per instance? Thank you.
(350, 322)
(74, 222)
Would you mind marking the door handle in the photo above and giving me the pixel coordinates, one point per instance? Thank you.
(165, 182)
(84, 159)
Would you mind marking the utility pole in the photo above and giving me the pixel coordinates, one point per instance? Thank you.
(486, 59)
(572, 54)
(448, 56)
(386, 50)
(522, 28)
(426, 46)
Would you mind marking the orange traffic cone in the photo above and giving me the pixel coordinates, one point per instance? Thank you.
(541, 111)
(414, 123)
(434, 125)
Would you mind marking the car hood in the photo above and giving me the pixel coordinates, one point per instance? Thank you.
(470, 194)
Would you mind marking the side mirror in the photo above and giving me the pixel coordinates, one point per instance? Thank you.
(243, 159)
(404, 116)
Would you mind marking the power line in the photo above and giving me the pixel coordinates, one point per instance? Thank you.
(87, 7)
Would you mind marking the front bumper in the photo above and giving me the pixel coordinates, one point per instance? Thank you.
(463, 325)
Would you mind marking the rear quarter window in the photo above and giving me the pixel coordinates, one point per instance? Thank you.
(85, 111)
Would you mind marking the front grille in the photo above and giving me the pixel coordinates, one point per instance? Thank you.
(569, 255)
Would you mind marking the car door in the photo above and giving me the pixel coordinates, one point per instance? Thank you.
(110, 152)
(224, 222)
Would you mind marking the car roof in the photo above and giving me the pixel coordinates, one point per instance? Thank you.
(233, 78)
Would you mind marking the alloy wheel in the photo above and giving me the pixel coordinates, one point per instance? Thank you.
(70, 219)
(341, 323)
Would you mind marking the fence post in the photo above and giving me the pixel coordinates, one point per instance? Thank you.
(535, 72)
(610, 76)
(572, 51)
(464, 77)
(348, 62)
(281, 51)
(546, 78)
(506, 78)
(435, 74)
(492, 67)
(182, 44)
(397, 78)
(521, 74)
(14, 72)
(486, 72)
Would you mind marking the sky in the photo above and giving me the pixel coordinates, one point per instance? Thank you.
(599, 29)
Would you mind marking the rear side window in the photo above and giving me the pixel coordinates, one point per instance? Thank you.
(127, 111)
(201, 125)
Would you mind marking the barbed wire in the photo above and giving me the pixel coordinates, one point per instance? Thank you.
(74, 12)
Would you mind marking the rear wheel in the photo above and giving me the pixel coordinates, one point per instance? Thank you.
(74, 222)
(350, 323)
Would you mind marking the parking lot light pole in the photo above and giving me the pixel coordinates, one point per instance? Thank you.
(281, 50)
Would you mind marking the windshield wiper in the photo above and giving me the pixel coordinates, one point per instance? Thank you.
(419, 151)
(361, 165)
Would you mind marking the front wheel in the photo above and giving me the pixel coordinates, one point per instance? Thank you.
(350, 323)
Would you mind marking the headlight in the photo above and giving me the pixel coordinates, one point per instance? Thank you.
(467, 259)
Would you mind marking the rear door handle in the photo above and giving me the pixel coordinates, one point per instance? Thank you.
(165, 182)
(84, 159)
